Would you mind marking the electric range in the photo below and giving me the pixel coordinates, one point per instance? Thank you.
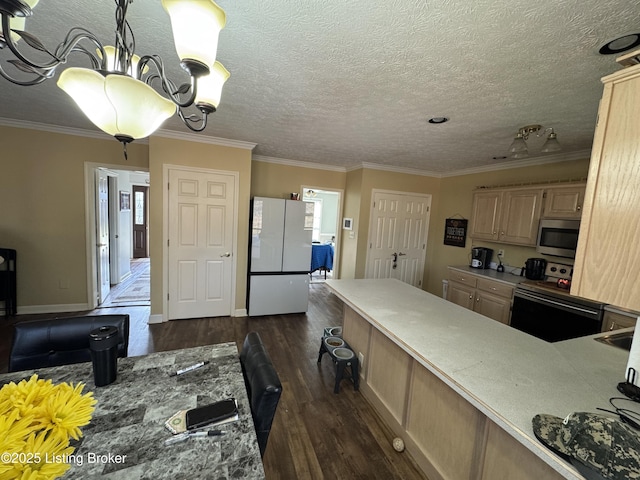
(545, 310)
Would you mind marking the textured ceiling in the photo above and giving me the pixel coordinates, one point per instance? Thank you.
(346, 83)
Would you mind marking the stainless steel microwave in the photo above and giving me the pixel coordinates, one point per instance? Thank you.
(558, 237)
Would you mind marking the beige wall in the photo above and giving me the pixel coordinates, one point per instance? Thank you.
(42, 198)
(456, 198)
(276, 180)
(198, 155)
(349, 247)
(400, 182)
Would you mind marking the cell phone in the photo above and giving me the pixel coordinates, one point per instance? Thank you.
(213, 413)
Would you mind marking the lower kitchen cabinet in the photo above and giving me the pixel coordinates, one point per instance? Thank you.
(487, 297)
(615, 321)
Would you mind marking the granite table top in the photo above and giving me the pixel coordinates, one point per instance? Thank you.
(125, 439)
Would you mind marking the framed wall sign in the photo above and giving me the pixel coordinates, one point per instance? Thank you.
(125, 201)
(455, 232)
(347, 223)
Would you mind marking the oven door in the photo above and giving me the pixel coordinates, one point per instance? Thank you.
(553, 319)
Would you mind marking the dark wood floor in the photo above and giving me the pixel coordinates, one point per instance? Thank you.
(316, 434)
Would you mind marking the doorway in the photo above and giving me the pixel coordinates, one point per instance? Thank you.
(140, 221)
(398, 228)
(326, 228)
(109, 206)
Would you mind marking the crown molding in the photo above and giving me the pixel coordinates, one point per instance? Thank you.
(527, 162)
(199, 138)
(80, 132)
(45, 127)
(298, 163)
(391, 168)
(225, 142)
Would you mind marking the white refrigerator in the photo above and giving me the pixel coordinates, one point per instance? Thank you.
(280, 256)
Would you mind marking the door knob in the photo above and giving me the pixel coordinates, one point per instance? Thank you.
(226, 254)
(401, 254)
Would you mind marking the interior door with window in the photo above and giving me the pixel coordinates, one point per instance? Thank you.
(140, 222)
(398, 236)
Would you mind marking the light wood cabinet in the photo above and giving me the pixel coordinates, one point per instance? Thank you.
(615, 321)
(446, 435)
(521, 216)
(485, 215)
(564, 202)
(507, 216)
(487, 297)
(608, 258)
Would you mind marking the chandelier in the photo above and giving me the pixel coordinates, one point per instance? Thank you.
(519, 149)
(117, 93)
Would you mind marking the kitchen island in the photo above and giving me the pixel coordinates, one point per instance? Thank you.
(461, 389)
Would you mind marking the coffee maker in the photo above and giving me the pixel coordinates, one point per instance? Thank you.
(481, 257)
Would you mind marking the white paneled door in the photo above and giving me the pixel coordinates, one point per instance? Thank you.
(200, 251)
(102, 235)
(398, 236)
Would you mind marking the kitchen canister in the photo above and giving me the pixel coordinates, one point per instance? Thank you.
(103, 343)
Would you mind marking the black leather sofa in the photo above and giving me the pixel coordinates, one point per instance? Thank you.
(263, 386)
(61, 341)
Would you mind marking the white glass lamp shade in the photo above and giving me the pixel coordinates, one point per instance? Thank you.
(196, 25)
(117, 104)
(210, 86)
(112, 65)
(518, 146)
(17, 23)
(551, 145)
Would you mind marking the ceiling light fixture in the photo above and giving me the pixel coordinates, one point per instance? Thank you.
(116, 93)
(620, 44)
(519, 148)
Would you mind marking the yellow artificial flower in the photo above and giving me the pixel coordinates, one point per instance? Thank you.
(13, 431)
(47, 454)
(25, 396)
(36, 420)
(67, 410)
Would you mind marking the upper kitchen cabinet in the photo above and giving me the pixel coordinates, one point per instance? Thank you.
(507, 216)
(485, 215)
(608, 258)
(564, 201)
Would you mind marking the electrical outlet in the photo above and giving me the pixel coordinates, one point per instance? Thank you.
(501, 253)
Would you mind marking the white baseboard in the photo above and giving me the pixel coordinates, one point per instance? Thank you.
(37, 309)
(240, 312)
(155, 318)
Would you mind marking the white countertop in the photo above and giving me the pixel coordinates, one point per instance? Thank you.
(508, 375)
(505, 276)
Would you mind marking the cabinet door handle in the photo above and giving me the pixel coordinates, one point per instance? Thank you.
(579, 207)
(470, 297)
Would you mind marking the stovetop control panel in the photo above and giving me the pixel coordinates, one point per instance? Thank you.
(558, 270)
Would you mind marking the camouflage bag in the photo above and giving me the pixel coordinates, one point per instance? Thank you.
(600, 447)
